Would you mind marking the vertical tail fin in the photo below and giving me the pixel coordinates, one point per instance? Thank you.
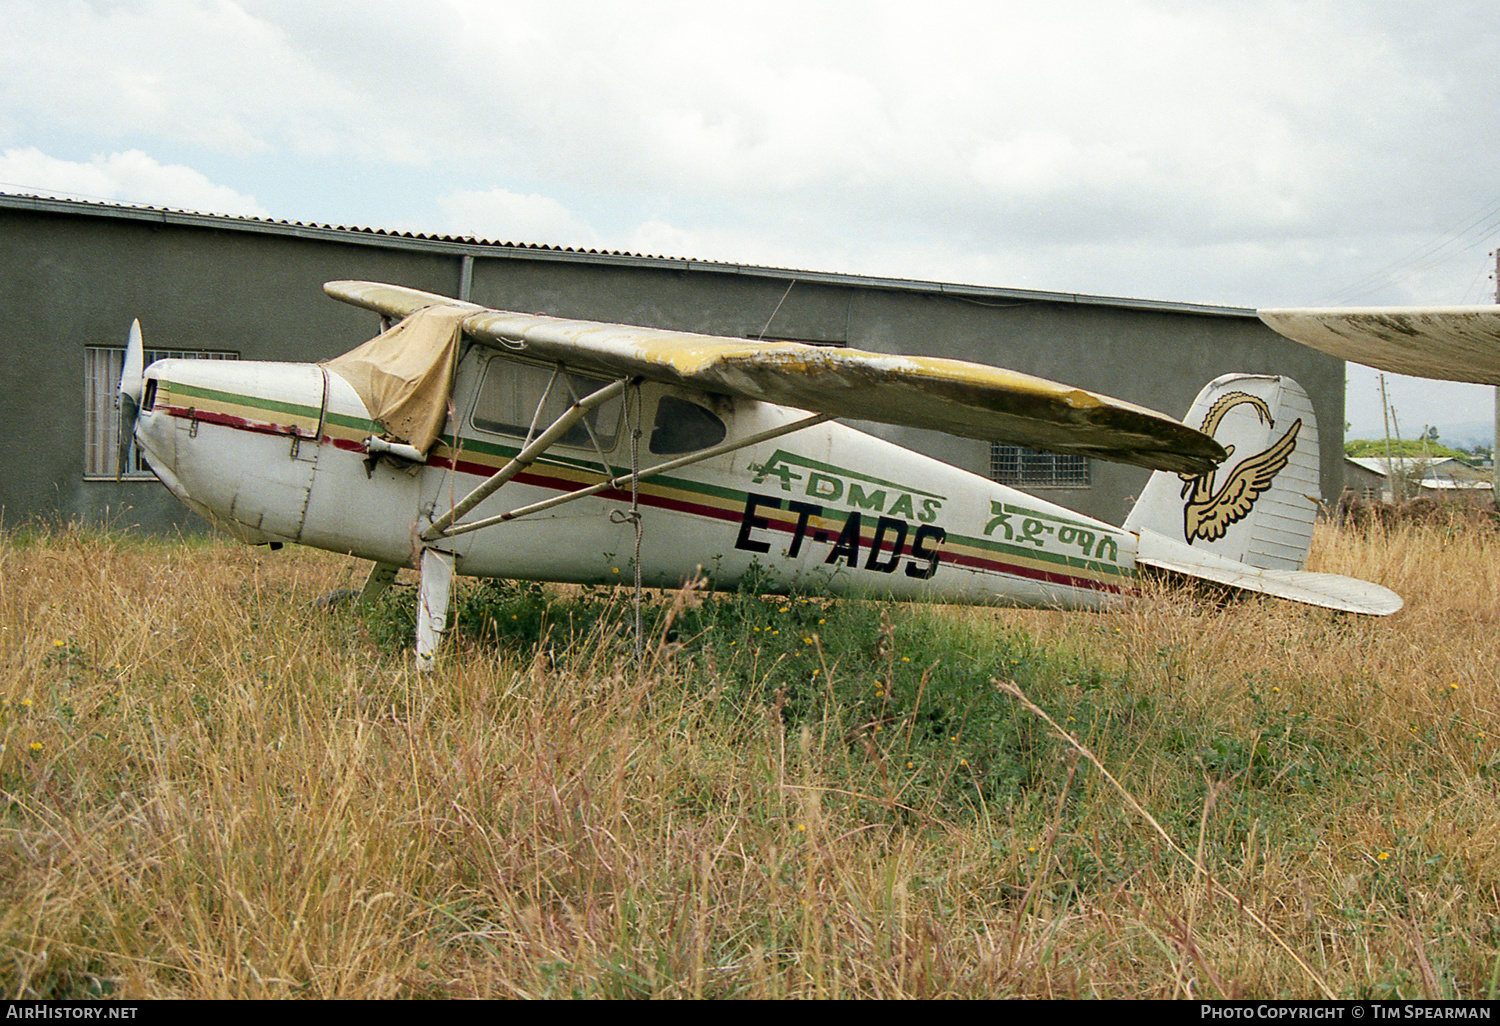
(1258, 507)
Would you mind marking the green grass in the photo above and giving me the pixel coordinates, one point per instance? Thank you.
(212, 786)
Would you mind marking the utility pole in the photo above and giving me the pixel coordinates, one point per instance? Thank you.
(1390, 473)
(1495, 442)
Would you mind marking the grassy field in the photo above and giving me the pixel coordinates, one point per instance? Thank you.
(214, 787)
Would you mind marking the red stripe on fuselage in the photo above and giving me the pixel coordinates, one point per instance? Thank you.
(258, 427)
(540, 479)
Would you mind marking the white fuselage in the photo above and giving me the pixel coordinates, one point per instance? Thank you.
(279, 453)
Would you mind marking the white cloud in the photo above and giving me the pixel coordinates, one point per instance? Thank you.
(1240, 152)
(203, 72)
(503, 216)
(130, 177)
(1112, 146)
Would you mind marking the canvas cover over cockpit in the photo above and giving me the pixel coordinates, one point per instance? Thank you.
(405, 375)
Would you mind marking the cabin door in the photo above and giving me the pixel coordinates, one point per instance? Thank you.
(499, 403)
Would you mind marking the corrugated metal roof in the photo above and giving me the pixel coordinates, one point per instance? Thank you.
(466, 245)
(1401, 464)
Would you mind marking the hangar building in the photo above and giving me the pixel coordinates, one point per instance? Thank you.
(75, 274)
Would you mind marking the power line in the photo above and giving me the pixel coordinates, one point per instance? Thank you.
(1467, 233)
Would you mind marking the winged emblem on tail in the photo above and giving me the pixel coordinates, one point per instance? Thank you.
(1208, 514)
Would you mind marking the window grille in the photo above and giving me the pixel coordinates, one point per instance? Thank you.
(101, 406)
(1020, 467)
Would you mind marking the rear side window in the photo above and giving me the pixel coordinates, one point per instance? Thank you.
(682, 426)
(511, 391)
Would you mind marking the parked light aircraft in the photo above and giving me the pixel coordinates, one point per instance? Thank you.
(465, 440)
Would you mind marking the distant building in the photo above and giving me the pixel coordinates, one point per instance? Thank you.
(1441, 478)
(75, 274)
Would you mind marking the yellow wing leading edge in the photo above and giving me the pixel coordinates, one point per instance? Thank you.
(966, 399)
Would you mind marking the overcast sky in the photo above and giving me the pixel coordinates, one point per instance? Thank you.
(1256, 153)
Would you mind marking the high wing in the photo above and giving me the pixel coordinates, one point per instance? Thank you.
(1453, 343)
(966, 399)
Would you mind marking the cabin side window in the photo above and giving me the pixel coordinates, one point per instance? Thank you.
(683, 426)
(511, 392)
(101, 406)
(1020, 467)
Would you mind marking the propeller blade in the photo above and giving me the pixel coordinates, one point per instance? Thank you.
(132, 375)
(432, 605)
(132, 379)
(128, 410)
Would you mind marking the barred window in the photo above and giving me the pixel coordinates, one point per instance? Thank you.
(1020, 467)
(101, 406)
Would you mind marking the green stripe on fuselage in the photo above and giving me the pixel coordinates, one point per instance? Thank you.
(252, 401)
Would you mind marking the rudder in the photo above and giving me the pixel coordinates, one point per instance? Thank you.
(1259, 505)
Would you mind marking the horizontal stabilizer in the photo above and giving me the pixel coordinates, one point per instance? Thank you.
(1451, 343)
(1330, 591)
(966, 399)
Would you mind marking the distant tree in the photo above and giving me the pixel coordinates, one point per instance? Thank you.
(1415, 448)
(1476, 455)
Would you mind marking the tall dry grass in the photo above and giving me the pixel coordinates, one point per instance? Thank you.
(214, 787)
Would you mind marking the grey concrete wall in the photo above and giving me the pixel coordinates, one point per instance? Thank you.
(74, 282)
(682, 300)
(76, 279)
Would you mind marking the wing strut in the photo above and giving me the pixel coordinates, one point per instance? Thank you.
(525, 458)
(447, 529)
(437, 567)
